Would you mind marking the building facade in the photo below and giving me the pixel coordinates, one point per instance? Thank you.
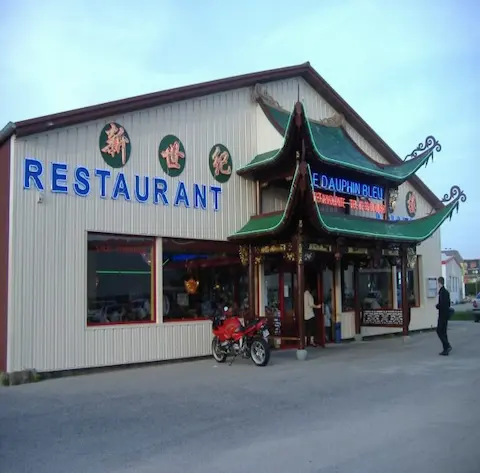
(118, 218)
(454, 274)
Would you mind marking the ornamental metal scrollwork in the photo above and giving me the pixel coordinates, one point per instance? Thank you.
(455, 193)
(382, 317)
(289, 254)
(430, 145)
(243, 254)
(308, 256)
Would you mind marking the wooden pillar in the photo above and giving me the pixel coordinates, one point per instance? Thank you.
(356, 286)
(300, 293)
(251, 282)
(405, 305)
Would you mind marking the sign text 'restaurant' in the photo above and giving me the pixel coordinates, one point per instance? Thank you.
(345, 186)
(143, 189)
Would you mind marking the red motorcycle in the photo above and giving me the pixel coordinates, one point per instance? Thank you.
(231, 337)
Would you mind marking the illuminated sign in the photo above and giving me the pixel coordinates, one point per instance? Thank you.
(354, 204)
(345, 186)
(143, 189)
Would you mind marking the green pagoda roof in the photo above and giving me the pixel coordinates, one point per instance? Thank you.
(414, 231)
(331, 144)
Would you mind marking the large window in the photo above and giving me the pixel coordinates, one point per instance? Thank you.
(348, 290)
(413, 286)
(375, 288)
(120, 279)
(201, 277)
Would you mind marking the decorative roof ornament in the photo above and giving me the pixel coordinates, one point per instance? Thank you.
(335, 121)
(260, 93)
(456, 194)
(411, 257)
(392, 199)
(430, 145)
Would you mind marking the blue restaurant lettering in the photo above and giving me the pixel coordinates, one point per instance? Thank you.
(345, 186)
(143, 189)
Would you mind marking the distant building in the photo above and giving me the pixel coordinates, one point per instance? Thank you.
(454, 274)
(472, 272)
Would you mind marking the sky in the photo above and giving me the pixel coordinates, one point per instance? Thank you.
(409, 68)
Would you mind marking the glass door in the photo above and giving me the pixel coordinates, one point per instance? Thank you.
(279, 301)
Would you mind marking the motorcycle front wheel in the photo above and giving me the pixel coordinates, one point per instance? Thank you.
(260, 352)
(218, 354)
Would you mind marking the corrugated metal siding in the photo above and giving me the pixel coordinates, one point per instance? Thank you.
(5, 188)
(48, 306)
(273, 199)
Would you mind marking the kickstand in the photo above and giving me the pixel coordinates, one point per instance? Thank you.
(233, 359)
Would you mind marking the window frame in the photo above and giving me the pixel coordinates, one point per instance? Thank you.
(153, 281)
(225, 261)
(363, 272)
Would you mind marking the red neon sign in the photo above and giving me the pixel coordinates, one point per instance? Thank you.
(334, 201)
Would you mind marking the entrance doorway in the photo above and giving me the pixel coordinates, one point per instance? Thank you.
(279, 294)
(321, 281)
(279, 299)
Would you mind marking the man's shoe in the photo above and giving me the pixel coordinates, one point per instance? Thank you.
(444, 353)
(449, 349)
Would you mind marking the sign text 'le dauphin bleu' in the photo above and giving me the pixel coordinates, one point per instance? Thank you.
(144, 189)
(345, 186)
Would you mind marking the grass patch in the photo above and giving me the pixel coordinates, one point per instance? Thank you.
(463, 315)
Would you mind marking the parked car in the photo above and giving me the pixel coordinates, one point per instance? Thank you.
(476, 308)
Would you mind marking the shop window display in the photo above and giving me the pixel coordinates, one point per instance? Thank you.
(120, 279)
(375, 288)
(196, 283)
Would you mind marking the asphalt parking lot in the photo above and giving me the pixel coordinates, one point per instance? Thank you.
(364, 407)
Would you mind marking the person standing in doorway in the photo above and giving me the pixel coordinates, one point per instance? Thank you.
(443, 308)
(327, 316)
(310, 322)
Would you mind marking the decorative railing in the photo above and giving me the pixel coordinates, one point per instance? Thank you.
(382, 318)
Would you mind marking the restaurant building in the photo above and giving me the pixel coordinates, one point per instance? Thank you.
(125, 223)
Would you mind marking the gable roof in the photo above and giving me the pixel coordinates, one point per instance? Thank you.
(305, 70)
(454, 253)
(451, 258)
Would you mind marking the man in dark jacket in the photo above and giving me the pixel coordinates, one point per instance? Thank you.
(443, 308)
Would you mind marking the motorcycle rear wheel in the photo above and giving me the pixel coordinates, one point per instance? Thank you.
(260, 352)
(218, 354)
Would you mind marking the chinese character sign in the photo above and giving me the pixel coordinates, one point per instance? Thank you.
(115, 145)
(220, 162)
(172, 156)
(411, 204)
